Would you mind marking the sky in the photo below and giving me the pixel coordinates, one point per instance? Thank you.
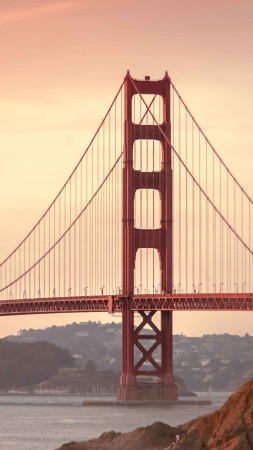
(61, 65)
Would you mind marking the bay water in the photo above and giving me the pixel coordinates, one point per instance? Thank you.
(47, 422)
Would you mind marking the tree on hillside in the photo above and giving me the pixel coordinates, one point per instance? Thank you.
(90, 367)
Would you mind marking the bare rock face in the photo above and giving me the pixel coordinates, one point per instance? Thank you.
(229, 428)
(154, 437)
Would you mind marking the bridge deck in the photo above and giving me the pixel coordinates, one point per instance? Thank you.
(115, 303)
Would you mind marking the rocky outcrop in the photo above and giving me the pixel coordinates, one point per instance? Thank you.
(155, 437)
(229, 428)
(183, 391)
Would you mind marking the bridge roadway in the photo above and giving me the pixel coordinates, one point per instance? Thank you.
(115, 303)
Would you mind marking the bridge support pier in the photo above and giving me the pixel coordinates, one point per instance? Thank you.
(160, 385)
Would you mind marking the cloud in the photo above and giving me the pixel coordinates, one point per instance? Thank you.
(18, 15)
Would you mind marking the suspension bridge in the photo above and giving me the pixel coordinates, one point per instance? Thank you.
(150, 221)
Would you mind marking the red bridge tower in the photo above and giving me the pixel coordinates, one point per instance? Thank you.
(133, 239)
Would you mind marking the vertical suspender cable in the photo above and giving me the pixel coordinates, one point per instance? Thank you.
(29, 263)
(115, 200)
(75, 204)
(39, 259)
(59, 249)
(64, 246)
(104, 261)
(24, 294)
(207, 228)
(250, 257)
(81, 234)
(179, 194)
(86, 218)
(98, 223)
(70, 236)
(94, 288)
(49, 255)
(109, 207)
(214, 233)
(221, 236)
(186, 204)
(193, 213)
(235, 256)
(54, 250)
(200, 223)
(34, 279)
(228, 249)
(242, 235)
(44, 259)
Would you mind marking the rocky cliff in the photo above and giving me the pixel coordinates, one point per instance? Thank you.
(155, 437)
(229, 428)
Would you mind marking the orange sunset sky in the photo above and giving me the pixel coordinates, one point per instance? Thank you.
(61, 65)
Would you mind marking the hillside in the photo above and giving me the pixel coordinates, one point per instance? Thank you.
(86, 341)
(223, 362)
(229, 428)
(26, 364)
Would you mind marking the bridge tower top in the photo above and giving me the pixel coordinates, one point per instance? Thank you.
(132, 180)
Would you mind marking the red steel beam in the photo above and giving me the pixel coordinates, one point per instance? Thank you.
(110, 304)
(194, 302)
(59, 305)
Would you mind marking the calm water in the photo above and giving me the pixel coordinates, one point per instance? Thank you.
(45, 423)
